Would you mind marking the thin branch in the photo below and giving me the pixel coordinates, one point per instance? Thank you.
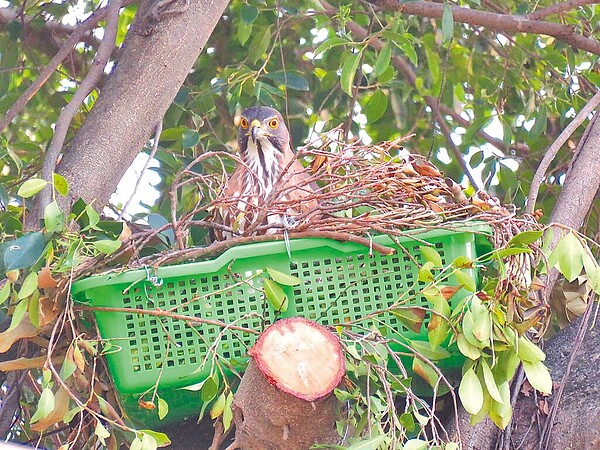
(457, 153)
(87, 85)
(87, 25)
(161, 313)
(555, 147)
(159, 128)
(559, 8)
(221, 246)
(502, 23)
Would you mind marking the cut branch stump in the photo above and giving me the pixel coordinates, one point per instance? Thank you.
(284, 400)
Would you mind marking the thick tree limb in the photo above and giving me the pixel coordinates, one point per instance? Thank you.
(85, 88)
(502, 23)
(149, 74)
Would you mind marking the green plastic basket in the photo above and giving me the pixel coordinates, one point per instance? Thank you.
(340, 281)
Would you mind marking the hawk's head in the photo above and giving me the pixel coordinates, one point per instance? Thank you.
(264, 140)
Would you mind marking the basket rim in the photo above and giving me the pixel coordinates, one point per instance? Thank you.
(262, 248)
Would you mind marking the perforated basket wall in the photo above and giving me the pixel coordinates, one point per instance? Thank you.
(339, 282)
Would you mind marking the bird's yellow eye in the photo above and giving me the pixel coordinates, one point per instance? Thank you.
(274, 123)
(244, 123)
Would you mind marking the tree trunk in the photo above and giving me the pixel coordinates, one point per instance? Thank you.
(284, 399)
(149, 73)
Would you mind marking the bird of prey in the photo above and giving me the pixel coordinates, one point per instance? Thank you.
(269, 182)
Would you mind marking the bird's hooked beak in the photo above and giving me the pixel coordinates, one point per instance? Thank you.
(256, 130)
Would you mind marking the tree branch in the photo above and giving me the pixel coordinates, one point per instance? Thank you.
(87, 85)
(75, 37)
(554, 149)
(559, 8)
(502, 23)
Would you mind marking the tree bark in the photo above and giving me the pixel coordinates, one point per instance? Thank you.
(135, 97)
(577, 422)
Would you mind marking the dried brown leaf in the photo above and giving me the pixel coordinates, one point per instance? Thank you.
(25, 329)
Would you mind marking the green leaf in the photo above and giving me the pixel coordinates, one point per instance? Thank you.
(466, 348)
(248, 13)
(372, 443)
(60, 184)
(162, 440)
(408, 421)
(415, 444)
(447, 22)
(376, 106)
(430, 254)
(259, 45)
(438, 325)
(209, 390)
(275, 295)
(34, 309)
(541, 119)
(425, 274)
(482, 321)
(476, 158)
(468, 325)
(53, 217)
(136, 444)
(329, 43)
(190, 138)
(228, 412)
(218, 406)
(349, 72)
(163, 408)
(31, 187)
(425, 349)
(93, 217)
(464, 279)
(525, 238)
(107, 246)
(528, 351)
(471, 392)
(505, 252)
(567, 257)
(462, 262)
(476, 125)
(23, 252)
(29, 285)
(490, 383)
(291, 79)
(148, 442)
(244, 32)
(18, 314)
(501, 412)
(383, 60)
(45, 405)
(283, 278)
(538, 376)
(68, 368)
(5, 292)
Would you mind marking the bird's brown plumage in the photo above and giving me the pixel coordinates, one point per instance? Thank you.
(269, 183)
